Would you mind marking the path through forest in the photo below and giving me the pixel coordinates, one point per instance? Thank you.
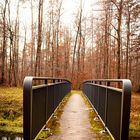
(74, 122)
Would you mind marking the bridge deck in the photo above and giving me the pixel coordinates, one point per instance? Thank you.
(74, 122)
(40, 101)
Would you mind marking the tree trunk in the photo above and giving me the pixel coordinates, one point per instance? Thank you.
(32, 40)
(128, 42)
(75, 44)
(119, 39)
(4, 44)
(57, 39)
(39, 41)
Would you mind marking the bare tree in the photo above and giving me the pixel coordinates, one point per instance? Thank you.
(16, 49)
(4, 43)
(39, 41)
(76, 40)
(57, 37)
(32, 39)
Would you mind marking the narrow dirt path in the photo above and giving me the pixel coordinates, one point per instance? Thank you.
(74, 122)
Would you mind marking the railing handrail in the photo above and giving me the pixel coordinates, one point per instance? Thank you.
(31, 78)
(125, 100)
(107, 80)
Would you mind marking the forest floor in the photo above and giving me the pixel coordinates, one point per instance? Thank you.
(11, 110)
(134, 130)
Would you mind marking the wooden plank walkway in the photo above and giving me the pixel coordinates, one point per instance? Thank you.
(74, 122)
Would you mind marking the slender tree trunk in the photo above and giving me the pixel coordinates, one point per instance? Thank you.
(57, 39)
(74, 52)
(75, 44)
(128, 42)
(67, 52)
(15, 49)
(119, 39)
(106, 49)
(23, 57)
(10, 47)
(83, 56)
(52, 30)
(32, 40)
(4, 44)
(39, 42)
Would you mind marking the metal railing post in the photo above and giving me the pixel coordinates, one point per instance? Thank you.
(106, 106)
(126, 103)
(27, 109)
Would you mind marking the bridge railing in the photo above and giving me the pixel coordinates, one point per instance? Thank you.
(112, 105)
(40, 101)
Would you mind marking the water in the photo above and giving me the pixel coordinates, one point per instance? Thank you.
(11, 138)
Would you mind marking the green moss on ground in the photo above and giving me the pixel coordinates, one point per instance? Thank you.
(11, 111)
(11, 114)
(53, 124)
(134, 131)
(96, 125)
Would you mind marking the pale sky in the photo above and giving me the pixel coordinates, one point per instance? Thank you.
(70, 7)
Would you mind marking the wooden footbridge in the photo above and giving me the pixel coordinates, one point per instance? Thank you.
(42, 95)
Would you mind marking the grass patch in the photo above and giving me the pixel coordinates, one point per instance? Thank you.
(11, 113)
(11, 110)
(96, 125)
(134, 131)
(53, 125)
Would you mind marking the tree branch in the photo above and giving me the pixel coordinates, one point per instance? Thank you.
(114, 27)
(113, 36)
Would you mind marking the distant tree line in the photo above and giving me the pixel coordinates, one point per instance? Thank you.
(103, 46)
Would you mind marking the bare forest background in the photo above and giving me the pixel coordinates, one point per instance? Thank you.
(105, 43)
